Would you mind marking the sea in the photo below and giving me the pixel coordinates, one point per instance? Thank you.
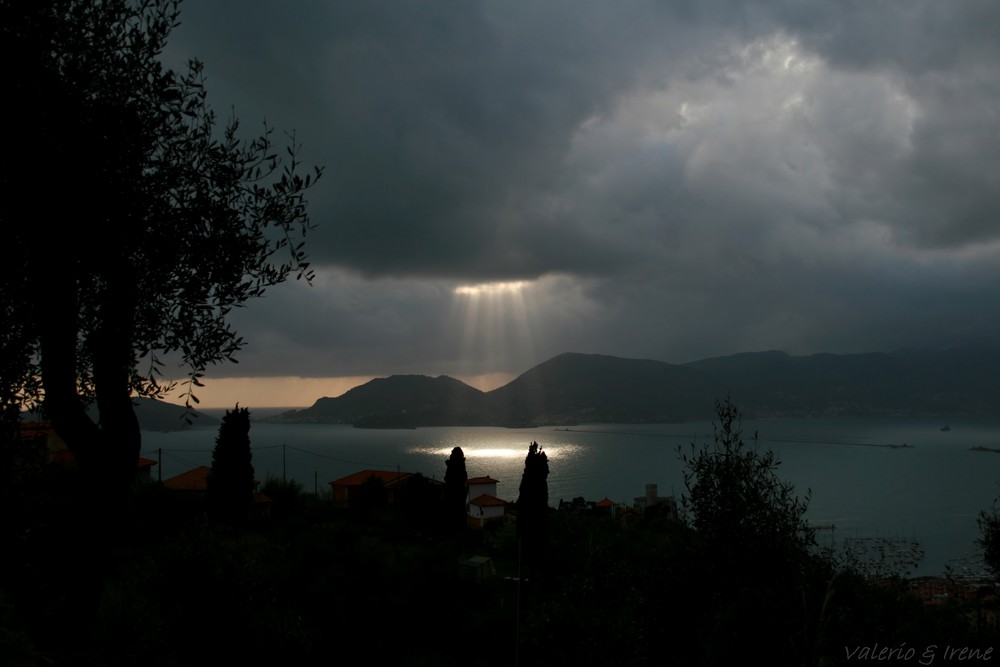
(872, 483)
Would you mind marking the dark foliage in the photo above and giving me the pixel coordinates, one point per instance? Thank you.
(455, 490)
(373, 494)
(419, 500)
(157, 226)
(296, 587)
(752, 545)
(989, 539)
(153, 223)
(533, 508)
(735, 497)
(231, 482)
(286, 495)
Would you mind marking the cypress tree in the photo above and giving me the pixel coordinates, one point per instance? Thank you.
(455, 489)
(230, 484)
(533, 506)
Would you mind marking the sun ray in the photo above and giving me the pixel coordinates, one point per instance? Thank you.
(486, 289)
(495, 320)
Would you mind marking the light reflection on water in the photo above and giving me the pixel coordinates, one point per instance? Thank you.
(859, 481)
(500, 453)
(475, 452)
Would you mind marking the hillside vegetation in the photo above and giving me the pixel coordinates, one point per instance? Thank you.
(589, 388)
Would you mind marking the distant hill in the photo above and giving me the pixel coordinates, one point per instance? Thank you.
(154, 415)
(157, 415)
(400, 401)
(590, 388)
(931, 383)
(578, 388)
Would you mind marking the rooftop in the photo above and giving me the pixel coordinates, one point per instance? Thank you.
(483, 480)
(357, 479)
(195, 479)
(486, 500)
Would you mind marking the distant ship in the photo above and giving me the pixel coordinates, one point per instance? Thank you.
(980, 448)
(946, 427)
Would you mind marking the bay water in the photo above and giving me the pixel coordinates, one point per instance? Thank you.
(864, 485)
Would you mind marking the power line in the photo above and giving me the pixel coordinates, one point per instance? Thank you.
(335, 458)
(181, 459)
(367, 464)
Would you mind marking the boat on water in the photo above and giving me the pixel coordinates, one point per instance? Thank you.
(980, 448)
(946, 427)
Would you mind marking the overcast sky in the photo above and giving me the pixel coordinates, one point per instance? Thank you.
(506, 181)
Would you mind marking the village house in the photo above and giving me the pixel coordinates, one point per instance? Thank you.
(482, 504)
(652, 500)
(347, 490)
(605, 506)
(194, 482)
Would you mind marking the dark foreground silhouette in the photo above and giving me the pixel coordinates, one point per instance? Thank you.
(311, 580)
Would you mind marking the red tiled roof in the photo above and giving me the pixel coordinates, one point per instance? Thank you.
(486, 500)
(195, 479)
(65, 457)
(357, 479)
(483, 480)
(607, 502)
(33, 430)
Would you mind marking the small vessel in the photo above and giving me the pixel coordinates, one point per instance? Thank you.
(946, 427)
(980, 448)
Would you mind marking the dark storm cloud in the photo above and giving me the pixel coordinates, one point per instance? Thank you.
(438, 123)
(944, 56)
(683, 179)
(915, 37)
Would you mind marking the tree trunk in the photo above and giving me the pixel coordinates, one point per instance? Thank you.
(77, 544)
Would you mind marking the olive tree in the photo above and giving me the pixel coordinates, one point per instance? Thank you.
(989, 538)
(751, 547)
(735, 497)
(133, 223)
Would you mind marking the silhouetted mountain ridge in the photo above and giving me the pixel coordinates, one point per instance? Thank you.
(399, 401)
(574, 388)
(156, 415)
(153, 415)
(592, 388)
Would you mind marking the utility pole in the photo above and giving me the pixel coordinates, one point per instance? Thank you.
(517, 616)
